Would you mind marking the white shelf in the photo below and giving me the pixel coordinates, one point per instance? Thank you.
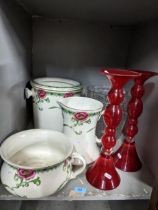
(134, 186)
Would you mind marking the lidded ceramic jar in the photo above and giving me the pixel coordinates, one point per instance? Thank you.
(45, 93)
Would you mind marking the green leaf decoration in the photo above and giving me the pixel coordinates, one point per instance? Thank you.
(54, 107)
(90, 129)
(24, 184)
(37, 181)
(78, 132)
(75, 124)
(17, 186)
(16, 177)
(47, 100)
(73, 119)
(66, 125)
(88, 121)
(80, 123)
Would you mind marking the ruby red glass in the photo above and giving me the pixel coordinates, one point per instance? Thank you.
(102, 174)
(126, 157)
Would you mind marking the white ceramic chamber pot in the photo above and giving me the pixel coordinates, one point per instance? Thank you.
(81, 115)
(38, 163)
(45, 93)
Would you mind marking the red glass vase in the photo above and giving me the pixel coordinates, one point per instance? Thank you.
(102, 174)
(126, 157)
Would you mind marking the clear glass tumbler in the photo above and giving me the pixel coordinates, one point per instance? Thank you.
(100, 93)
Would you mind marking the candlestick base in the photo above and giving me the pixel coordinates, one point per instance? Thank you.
(102, 174)
(126, 158)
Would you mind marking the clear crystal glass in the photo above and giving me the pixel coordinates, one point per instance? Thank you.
(100, 93)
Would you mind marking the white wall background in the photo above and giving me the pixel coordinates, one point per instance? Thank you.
(15, 62)
(77, 49)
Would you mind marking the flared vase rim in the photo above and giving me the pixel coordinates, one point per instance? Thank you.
(120, 72)
(145, 72)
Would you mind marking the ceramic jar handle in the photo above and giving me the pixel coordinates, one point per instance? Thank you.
(75, 156)
(28, 93)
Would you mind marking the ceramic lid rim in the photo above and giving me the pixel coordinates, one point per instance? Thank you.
(71, 84)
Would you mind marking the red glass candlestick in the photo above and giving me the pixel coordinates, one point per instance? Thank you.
(126, 157)
(102, 174)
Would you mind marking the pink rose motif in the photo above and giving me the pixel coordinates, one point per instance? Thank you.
(80, 116)
(70, 94)
(26, 174)
(41, 93)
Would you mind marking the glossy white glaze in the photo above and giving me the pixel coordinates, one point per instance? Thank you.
(81, 115)
(45, 93)
(37, 163)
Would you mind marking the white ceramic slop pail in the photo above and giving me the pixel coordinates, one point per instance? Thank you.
(45, 93)
(37, 163)
(81, 115)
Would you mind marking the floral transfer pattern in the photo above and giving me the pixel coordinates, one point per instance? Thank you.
(70, 94)
(41, 96)
(23, 178)
(78, 120)
(81, 118)
(26, 174)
